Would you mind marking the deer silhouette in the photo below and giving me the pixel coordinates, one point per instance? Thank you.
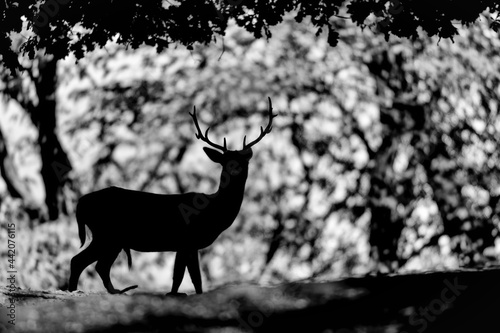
(122, 219)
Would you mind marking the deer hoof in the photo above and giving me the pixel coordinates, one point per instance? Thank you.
(176, 294)
(113, 291)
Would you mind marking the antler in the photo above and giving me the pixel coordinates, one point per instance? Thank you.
(202, 137)
(263, 131)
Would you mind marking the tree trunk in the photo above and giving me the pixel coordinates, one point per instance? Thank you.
(15, 186)
(55, 162)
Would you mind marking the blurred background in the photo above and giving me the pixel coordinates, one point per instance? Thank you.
(384, 157)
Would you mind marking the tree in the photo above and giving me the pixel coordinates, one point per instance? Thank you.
(57, 28)
(369, 167)
(362, 156)
(393, 171)
(60, 26)
(34, 90)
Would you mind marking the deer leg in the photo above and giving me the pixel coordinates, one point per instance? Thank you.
(81, 261)
(179, 270)
(193, 265)
(103, 268)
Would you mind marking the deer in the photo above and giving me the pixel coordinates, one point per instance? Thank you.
(122, 219)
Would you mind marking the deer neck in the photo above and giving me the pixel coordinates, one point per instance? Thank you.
(230, 196)
(232, 187)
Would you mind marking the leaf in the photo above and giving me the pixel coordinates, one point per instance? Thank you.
(333, 37)
(495, 25)
(359, 11)
(448, 30)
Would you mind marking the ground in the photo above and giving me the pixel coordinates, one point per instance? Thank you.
(457, 301)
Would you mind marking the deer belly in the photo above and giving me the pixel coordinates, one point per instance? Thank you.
(201, 240)
(155, 244)
(156, 240)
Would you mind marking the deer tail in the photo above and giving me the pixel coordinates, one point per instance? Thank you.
(127, 251)
(81, 224)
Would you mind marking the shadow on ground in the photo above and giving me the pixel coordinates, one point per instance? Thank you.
(458, 301)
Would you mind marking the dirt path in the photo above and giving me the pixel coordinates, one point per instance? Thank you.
(460, 301)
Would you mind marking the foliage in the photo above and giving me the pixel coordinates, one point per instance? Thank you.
(364, 171)
(33, 90)
(384, 156)
(41, 253)
(59, 26)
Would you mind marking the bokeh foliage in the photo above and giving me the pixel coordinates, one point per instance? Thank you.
(61, 27)
(384, 156)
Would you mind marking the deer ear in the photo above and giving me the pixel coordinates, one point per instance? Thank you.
(214, 155)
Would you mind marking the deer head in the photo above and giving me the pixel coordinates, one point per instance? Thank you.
(234, 162)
